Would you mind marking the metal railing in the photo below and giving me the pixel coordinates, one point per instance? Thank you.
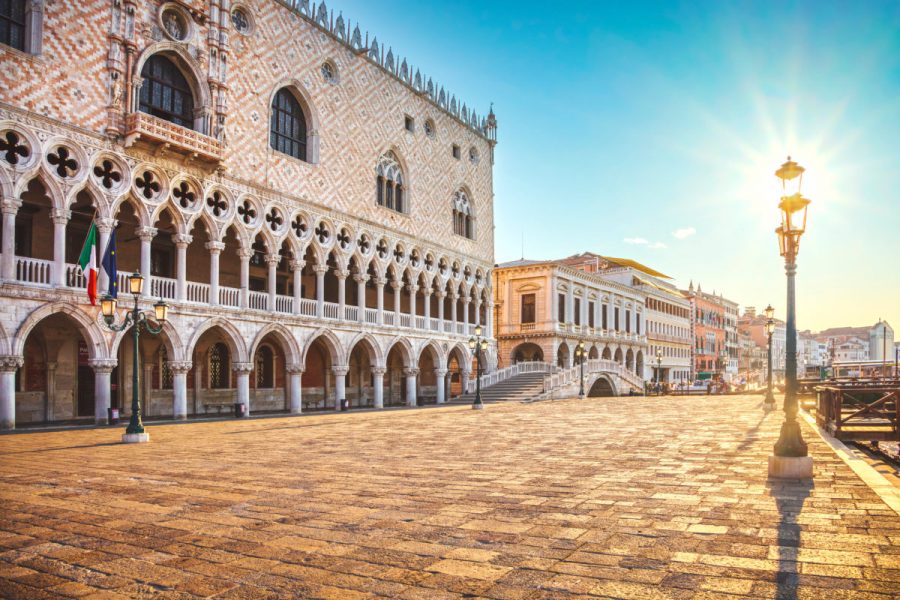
(520, 368)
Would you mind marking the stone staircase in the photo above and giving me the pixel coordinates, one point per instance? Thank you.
(518, 388)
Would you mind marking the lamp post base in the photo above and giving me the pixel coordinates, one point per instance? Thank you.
(478, 406)
(135, 438)
(768, 406)
(791, 467)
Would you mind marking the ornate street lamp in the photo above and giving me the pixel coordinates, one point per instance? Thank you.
(769, 403)
(791, 457)
(658, 369)
(581, 356)
(478, 344)
(135, 430)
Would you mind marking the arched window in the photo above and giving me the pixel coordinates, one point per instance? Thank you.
(12, 23)
(390, 191)
(218, 367)
(287, 130)
(264, 368)
(462, 215)
(165, 373)
(165, 92)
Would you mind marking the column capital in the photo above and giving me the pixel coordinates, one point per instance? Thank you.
(10, 205)
(465, 372)
(294, 369)
(105, 224)
(103, 365)
(427, 291)
(378, 371)
(241, 367)
(180, 366)
(410, 372)
(146, 233)
(341, 274)
(440, 372)
(214, 247)
(340, 370)
(380, 281)
(273, 259)
(467, 299)
(441, 294)
(320, 269)
(396, 285)
(60, 216)
(413, 288)
(182, 240)
(11, 363)
(245, 253)
(360, 278)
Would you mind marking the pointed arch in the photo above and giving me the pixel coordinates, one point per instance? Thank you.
(331, 342)
(233, 338)
(284, 336)
(90, 329)
(376, 354)
(192, 72)
(293, 89)
(171, 340)
(436, 355)
(404, 347)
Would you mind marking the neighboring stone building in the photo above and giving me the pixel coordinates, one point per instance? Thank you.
(544, 309)
(881, 342)
(318, 213)
(667, 313)
(708, 327)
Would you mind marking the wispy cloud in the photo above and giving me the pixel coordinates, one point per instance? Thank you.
(636, 240)
(658, 245)
(684, 232)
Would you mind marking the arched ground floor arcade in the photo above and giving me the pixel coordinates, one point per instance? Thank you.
(60, 364)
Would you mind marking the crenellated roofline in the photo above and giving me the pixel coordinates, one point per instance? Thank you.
(351, 37)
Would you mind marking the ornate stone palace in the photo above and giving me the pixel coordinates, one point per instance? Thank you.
(318, 214)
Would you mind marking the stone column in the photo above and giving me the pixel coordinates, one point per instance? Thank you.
(426, 297)
(379, 286)
(10, 207)
(554, 308)
(272, 261)
(242, 371)
(297, 269)
(295, 374)
(320, 290)
(146, 383)
(378, 385)
(179, 371)
(464, 380)
(413, 290)
(396, 286)
(340, 384)
(441, 294)
(8, 367)
(489, 320)
(244, 254)
(60, 220)
(104, 229)
(102, 369)
(146, 235)
(411, 375)
(478, 310)
(467, 300)
(342, 292)
(361, 296)
(570, 303)
(453, 297)
(215, 249)
(182, 241)
(441, 384)
(51, 391)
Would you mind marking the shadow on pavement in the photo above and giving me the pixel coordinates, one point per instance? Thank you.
(789, 495)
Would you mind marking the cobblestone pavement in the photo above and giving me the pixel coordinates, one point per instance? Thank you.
(611, 497)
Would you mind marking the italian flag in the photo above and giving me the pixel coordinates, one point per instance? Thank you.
(88, 262)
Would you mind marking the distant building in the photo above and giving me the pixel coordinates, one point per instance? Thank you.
(881, 341)
(708, 325)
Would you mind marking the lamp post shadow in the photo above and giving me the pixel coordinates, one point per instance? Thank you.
(789, 495)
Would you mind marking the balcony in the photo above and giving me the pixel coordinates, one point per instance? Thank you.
(39, 273)
(167, 136)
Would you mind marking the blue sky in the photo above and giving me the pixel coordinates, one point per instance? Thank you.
(624, 124)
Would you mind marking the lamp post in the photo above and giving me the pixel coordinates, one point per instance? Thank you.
(478, 344)
(769, 403)
(658, 369)
(580, 355)
(135, 430)
(791, 458)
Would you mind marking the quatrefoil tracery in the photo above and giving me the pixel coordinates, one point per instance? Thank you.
(429, 262)
(344, 239)
(148, 185)
(299, 226)
(399, 254)
(12, 148)
(63, 161)
(217, 204)
(185, 196)
(322, 233)
(274, 219)
(247, 212)
(363, 244)
(382, 249)
(107, 174)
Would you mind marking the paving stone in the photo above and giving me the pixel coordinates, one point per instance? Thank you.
(612, 497)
